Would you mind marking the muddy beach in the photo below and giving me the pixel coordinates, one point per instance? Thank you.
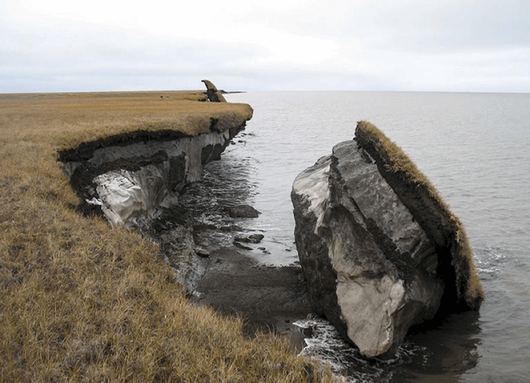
(268, 298)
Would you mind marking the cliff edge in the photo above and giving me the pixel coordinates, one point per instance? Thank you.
(134, 179)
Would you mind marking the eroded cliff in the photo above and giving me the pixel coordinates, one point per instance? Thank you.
(134, 180)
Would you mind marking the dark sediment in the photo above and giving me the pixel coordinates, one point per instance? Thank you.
(269, 298)
(229, 278)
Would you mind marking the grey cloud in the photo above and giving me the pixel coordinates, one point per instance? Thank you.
(105, 58)
(384, 45)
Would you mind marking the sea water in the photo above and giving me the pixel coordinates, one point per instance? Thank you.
(474, 147)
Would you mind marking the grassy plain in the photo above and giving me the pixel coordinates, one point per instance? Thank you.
(82, 302)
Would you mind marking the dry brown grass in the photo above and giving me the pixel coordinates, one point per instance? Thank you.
(397, 162)
(66, 120)
(81, 302)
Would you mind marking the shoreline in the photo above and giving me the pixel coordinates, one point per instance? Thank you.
(269, 299)
(82, 301)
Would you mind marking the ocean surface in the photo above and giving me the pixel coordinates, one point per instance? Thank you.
(474, 147)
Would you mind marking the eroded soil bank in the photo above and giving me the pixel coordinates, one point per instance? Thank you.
(171, 207)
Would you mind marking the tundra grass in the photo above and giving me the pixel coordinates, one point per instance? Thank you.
(80, 301)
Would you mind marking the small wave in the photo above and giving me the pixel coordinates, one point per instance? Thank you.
(327, 346)
(490, 260)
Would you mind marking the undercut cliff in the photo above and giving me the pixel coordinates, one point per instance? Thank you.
(134, 180)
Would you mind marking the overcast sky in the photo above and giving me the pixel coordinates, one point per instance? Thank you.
(405, 45)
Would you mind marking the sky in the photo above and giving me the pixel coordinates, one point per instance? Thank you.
(384, 45)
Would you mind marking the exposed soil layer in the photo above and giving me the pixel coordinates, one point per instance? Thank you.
(85, 151)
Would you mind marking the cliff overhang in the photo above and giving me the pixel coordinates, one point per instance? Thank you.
(134, 180)
(159, 163)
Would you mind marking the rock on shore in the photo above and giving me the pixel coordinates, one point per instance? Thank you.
(379, 249)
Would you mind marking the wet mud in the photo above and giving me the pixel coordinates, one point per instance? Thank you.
(268, 298)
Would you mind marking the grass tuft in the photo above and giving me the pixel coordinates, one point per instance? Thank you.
(82, 302)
